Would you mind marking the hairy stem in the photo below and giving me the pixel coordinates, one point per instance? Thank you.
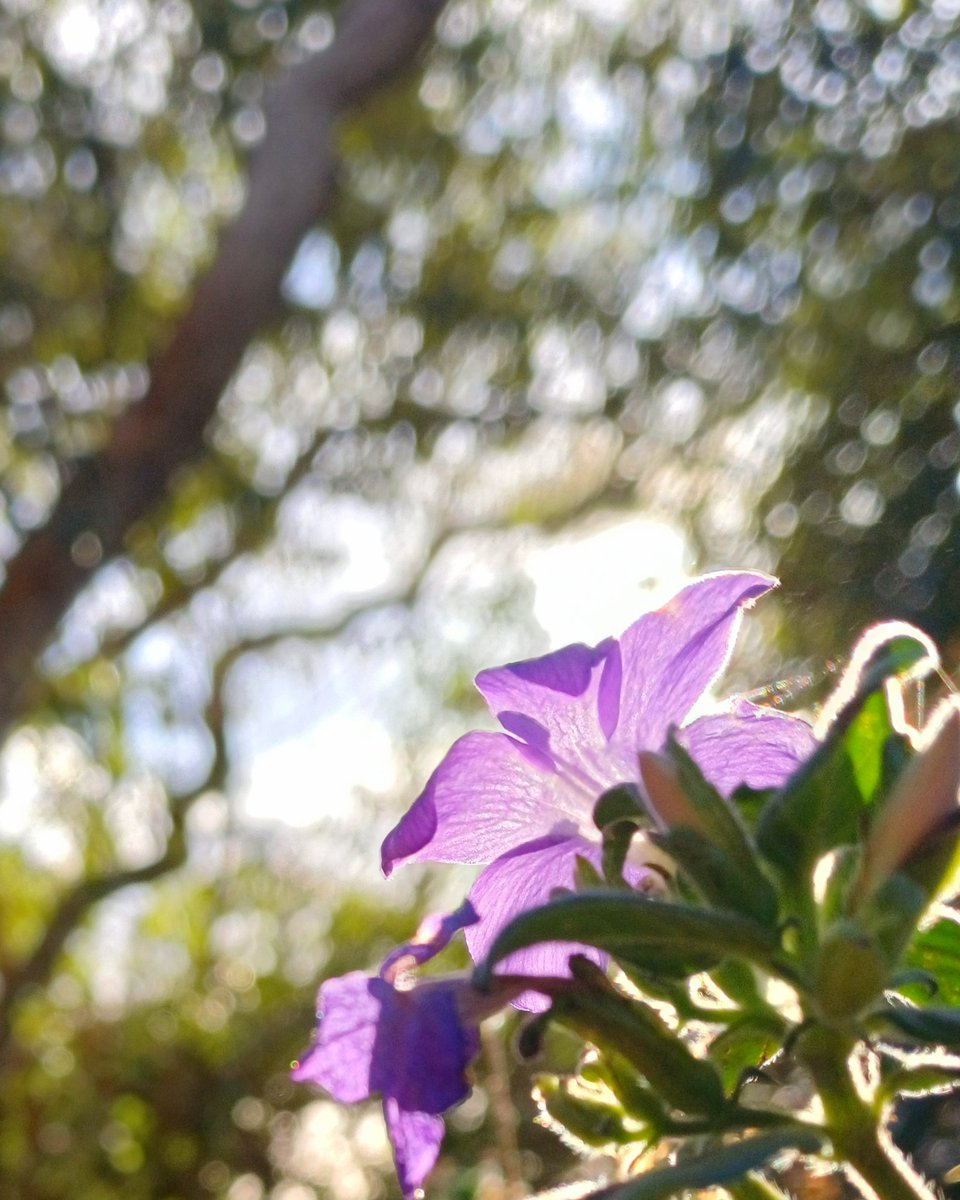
(856, 1130)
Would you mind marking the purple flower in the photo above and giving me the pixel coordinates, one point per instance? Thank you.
(412, 1044)
(521, 802)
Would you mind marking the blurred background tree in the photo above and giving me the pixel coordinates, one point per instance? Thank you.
(342, 355)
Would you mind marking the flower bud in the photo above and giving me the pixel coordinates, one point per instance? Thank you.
(661, 783)
(850, 971)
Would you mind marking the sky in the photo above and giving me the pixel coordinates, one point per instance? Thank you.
(307, 767)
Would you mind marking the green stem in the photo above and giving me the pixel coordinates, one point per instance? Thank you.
(802, 905)
(854, 1125)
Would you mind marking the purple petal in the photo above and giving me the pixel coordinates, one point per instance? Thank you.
(561, 694)
(520, 880)
(433, 934)
(341, 1059)
(416, 1139)
(489, 794)
(566, 671)
(748, 744)
(609, 692)
(412, 1045)
(423, 1051)
(672, 655)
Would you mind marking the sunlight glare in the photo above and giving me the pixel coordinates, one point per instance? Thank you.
(315, 776)
(593, 583)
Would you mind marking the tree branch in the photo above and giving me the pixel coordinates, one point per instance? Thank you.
(77, 902)
(292, 179)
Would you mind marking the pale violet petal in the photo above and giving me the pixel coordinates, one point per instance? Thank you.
(672, 655)
(342, 1057)
(520, 880)
(561, 703)
(748, 744)
(489, 794)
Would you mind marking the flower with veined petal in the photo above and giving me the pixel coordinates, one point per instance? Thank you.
(412, 1044)
(521, 801)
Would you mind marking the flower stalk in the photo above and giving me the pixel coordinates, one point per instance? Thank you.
(855, 1126)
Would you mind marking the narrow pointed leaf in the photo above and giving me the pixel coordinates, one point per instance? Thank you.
(695, 804)
(628, 924)
(739, 981)
(592, 1120)
(668, 981)
(635, 1031)
(843, 869)
(923, 802)
(586, 877)
(873, 728)
(816, 811)
(637, 1100)
(917, 1080)
(821, 807)
(891, 915)
(716, 1167)
(722, 880)
(932, 1026)
(755, 1187)
(750, 803)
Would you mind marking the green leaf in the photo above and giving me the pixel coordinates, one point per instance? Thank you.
(586, 877)
(627, 1085)
(932, 1026)
(843, 869)
(739, 981)
(750, 803)
(900, 648)
(936, 950)
(817, 810)
(915, 829)
(871, 729)
(668, 982)
(891, 915)
(745, 1045)
(718, 1166)
(627, 924)
(754, 1187)
(722, 880)
(822, 805)
(587, 1115)
(924, 1079)
(717, 820)
(604, 1016)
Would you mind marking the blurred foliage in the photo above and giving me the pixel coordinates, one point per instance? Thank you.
(594, 256)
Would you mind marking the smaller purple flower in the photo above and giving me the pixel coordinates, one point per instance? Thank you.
(412, 1043)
